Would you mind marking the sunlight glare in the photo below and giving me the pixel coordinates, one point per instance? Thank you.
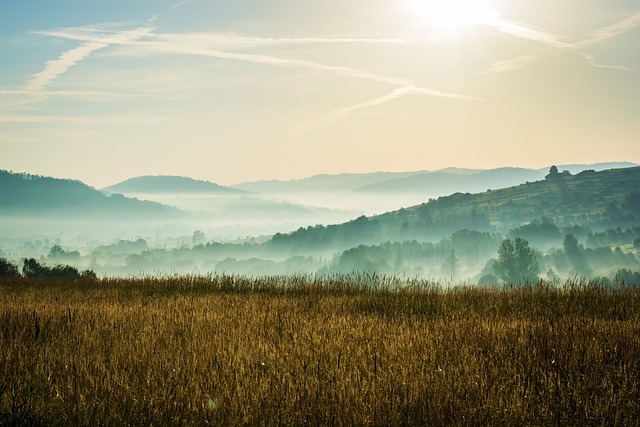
(451, 15)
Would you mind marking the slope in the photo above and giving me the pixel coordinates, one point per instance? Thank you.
(598, 200)
(169, 185)
(35, 196)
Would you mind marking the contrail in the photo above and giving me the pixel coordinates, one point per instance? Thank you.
(56, 67)
(612, 30)
(552, 42)
(397, 93)
(177, 5)
(591, 60)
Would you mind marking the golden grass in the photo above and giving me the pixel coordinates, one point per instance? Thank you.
(228, 350)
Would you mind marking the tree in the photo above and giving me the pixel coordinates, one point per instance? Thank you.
(628, 277)
(575, 255)
(8, 269)
(198, 237)
(636, 243)
(32, 268)
(517, 262)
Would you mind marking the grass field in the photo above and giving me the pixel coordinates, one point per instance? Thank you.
(228, 350)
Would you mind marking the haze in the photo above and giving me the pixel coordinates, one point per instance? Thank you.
(235, 91)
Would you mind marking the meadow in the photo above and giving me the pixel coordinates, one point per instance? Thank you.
(305, 350)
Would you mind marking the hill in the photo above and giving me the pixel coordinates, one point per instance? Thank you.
(438, 182)
(445, 182)
(592, 199)
(340, 183)
(169, 185)
(205, 200)
(380, 192)
(32, 196)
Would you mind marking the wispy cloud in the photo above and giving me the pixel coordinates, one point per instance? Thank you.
(56, 67)
(554, 42)
(612, 30)
(226, 41)
(177, 5)
(200, 45)
(528, 33)
(513, 64)
(60, 65)
(400, 92)
(185, 49)
(590, 59)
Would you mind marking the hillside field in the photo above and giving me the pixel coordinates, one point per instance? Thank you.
(335, 350)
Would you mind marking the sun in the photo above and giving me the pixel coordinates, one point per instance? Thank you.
(452, 15)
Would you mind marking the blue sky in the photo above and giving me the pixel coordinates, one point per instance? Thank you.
(232, 91)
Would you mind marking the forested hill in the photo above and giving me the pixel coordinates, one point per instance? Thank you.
(597, 199)
(44, 197)
(169, 185)
(592, 199)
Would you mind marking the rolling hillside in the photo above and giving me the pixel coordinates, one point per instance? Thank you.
(170, 185)
(345, 182)
(443, 182)
(589, 198)
(31, 196)
(598, 200)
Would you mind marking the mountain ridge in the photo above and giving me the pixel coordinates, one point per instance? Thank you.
(36, 196)
(410, 181)
(169, 184)
(593, 199)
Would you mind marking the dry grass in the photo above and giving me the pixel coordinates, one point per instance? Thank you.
(304, 351)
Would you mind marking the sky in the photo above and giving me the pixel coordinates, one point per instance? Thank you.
(233, 91)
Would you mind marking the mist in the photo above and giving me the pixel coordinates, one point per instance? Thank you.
(170, 225)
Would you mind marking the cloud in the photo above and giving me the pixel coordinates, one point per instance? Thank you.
(208, 45)
(184, 49)
(512, 64)
(400, 92)
(613, 30)
(177, 5)
(191, 44)
(60, 65)
(521, 31)
(215, 40)
(553, 42)
(592, 61)
(56, 67)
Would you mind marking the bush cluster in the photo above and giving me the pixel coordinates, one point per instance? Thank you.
(31, 268)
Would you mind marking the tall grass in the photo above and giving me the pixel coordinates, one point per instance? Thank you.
(358, 350)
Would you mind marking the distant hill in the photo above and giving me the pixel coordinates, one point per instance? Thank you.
(597, 200)
(443, 182)
(577, 168)
(344, 182)
(169, 185)
(427, 183)
(35, 196)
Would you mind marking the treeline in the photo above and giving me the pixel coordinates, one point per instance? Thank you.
(464, 256)
(31, 268)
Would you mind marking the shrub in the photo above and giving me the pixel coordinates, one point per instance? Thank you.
(33, 269)
(627, 277)
(8, 269)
